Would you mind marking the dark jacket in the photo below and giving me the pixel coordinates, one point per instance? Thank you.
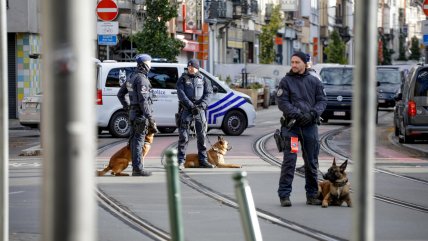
(300, 93)
(188, 87)
(139, 88)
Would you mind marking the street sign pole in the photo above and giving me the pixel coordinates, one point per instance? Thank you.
(363, 119)
(4, 129)
(68, 127)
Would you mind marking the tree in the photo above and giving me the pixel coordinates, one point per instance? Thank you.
(154, 39)
(401, 47)
(335, 50)
(415, 49)
(267, 51)
(386, 53)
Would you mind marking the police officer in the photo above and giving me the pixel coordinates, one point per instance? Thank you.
(313, 72)
(140, 110)
(301, 98)
(193, 93)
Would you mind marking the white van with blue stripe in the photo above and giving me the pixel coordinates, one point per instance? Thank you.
(228, 110)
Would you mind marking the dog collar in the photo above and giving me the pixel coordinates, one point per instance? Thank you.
(341, 183)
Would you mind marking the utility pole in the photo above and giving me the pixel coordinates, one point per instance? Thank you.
(68, 127)
(363, 119)
(4, 128)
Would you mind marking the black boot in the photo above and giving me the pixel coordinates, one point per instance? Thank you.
(205, 164)
(285, 202)
(141, 173)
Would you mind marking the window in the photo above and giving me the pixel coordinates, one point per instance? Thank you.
(337, 76)
(163, 77)
(388, 76)
(160, 77)
(421, 85)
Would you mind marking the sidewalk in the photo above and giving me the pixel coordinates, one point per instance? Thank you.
(14, 125)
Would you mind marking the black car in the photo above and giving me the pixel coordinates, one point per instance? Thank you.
(411, 109)
(390, 79)
(337, 80)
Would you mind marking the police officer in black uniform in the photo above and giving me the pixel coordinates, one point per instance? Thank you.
(140, 110)
(302, 100)
(194, 92)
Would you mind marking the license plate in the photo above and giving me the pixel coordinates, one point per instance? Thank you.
(381, 101)
(339, 113)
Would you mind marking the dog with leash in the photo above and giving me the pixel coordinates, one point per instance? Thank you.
(215, 156)
(121, 159)
(335, 189)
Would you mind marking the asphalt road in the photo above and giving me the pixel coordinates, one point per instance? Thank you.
(208, 219)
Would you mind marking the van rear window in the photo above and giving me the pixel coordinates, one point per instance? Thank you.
(160, 77)
(421, 85)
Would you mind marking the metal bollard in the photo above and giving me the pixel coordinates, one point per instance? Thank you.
(247, 208)
(174, 196)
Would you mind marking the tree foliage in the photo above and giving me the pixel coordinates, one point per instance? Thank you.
(154, 39)
(267, 36)
(386, 58)
(401, 47)
(335, 50)
(415, 49)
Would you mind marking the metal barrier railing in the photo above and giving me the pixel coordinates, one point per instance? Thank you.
(174, 196)
(247, 208)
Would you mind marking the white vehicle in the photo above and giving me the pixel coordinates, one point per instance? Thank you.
(228, 110)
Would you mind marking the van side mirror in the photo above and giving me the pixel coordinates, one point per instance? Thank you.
(377, 83)
(215, 89)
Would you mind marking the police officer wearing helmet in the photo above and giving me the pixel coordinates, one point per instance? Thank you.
(302, 99)
(140, 110)
(193, 92)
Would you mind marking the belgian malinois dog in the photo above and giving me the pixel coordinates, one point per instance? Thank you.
(335, 189)
(121, 159)
(215, 155)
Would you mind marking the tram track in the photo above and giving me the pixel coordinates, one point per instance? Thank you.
(260, 149)
(123, 213)
(145, 227)
(261, 213)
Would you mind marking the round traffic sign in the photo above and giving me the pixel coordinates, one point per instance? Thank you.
(107, 10)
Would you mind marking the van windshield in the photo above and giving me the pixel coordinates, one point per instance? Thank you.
(388, 76)
(337, 76)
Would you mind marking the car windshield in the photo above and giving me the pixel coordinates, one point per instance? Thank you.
(388, 76)
(337, 76)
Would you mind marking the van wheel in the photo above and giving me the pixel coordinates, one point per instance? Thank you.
(396, 131)
(408, 139)
(166, 129)
(234, 123)
(119, 125)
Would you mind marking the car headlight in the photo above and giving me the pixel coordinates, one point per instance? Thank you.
(248, 99)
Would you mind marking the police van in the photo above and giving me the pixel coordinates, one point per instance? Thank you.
(228, 110)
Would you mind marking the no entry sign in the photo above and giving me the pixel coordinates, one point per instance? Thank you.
(107, 10)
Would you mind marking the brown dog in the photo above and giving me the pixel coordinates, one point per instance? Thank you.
(120, 160)
(335, 189)
(215, 156)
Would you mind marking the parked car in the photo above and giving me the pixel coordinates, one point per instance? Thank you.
(272, 84)
(30, 111)
(390, 78)
(411, 109)
(337, 80)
